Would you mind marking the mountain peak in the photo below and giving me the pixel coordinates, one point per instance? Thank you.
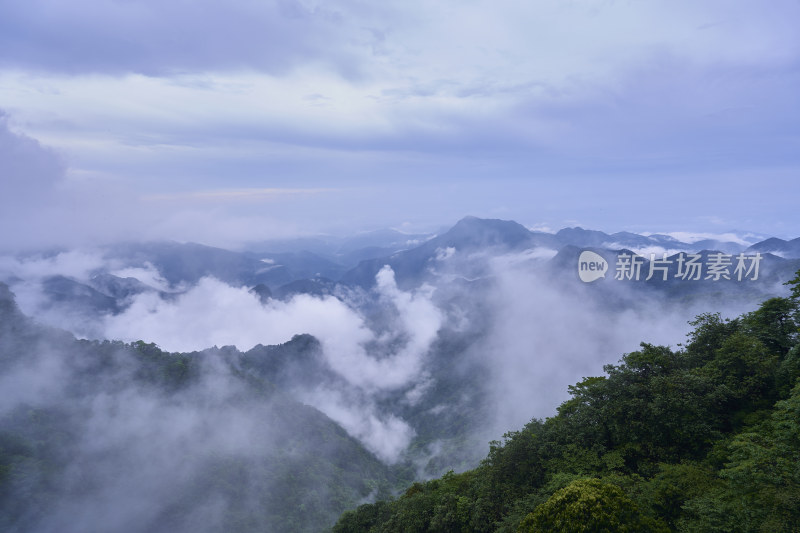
(472, 231)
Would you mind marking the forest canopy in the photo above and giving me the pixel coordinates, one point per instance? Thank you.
(703, 437)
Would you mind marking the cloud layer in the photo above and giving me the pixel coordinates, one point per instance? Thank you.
(160, 110)
(370, 362)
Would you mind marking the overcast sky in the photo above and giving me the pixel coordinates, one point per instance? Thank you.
(222, 122)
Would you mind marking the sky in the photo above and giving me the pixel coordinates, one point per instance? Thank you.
(229, 122)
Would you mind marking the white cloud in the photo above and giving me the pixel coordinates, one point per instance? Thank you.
(133, 451)
(544, 337)
(542, 227)
(532, 255)
(644, 251)
(73, 263)
(383, 433)
(214, 313)
(147, 274)
(693, 237)
(443, 254)
(159, 133)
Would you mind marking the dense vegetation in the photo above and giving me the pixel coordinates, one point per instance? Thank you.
(113, 436)
(705, 437)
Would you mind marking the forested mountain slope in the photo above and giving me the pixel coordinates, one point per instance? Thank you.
(705, 437)
(111, 436)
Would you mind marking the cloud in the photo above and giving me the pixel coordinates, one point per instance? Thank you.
(383, 433)
(132, 454)
(443, 254)
(147, 274)
(51, 204)
(29, 175)
(157, 37)
(77, 264)
(374, 100)
(370, 356)
(213, 313)
(371, 362)
(692, 237)
(36, 379)
(350, 36)
(44, 206)
(644, 251)
(235, 194)
(29, 172)
(543, 336)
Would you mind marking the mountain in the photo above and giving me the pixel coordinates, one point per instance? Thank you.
(108, 436)
(79, 297)
(786, 249)
(300, 265)
(180, 263)
(705, 437)
(582, 238)
(466, 250)
(120, 289)
(623, 286)
(463, 252)
(345, 251)
(229, 439)
(470, 235)
(597, 239)
(315, 287)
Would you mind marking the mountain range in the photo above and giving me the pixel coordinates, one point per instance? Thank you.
(318, 265)
(508, 322)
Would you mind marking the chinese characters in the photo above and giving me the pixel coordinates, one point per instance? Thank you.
(688, 267)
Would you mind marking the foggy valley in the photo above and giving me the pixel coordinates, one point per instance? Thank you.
(168, 386)
(424, 267)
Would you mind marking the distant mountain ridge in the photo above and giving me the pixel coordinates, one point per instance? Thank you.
(472, 234)
(788, 249)
(318, 265)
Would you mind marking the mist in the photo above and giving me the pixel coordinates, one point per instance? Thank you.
(413, 371)
(119, 453)
(262, 262)
(535, 337)
(545, 336)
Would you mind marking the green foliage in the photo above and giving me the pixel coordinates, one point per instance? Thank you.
(364, 518)
(774, 324)
(666, 493)
(759, 488)
(710, 330)
(303, 484)
(794, 285)
(788, 372)
(744, 371)
(588, 505)
(703, 438)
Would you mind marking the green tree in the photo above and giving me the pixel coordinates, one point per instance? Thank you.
(710, 330)
(744, 370)
(773, 323)
(764, 468)
(759, 487)
(794, 285)
(589, 505)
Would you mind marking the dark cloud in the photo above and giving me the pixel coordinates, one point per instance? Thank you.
(153, 37)
(28, 171)
(430, 109)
